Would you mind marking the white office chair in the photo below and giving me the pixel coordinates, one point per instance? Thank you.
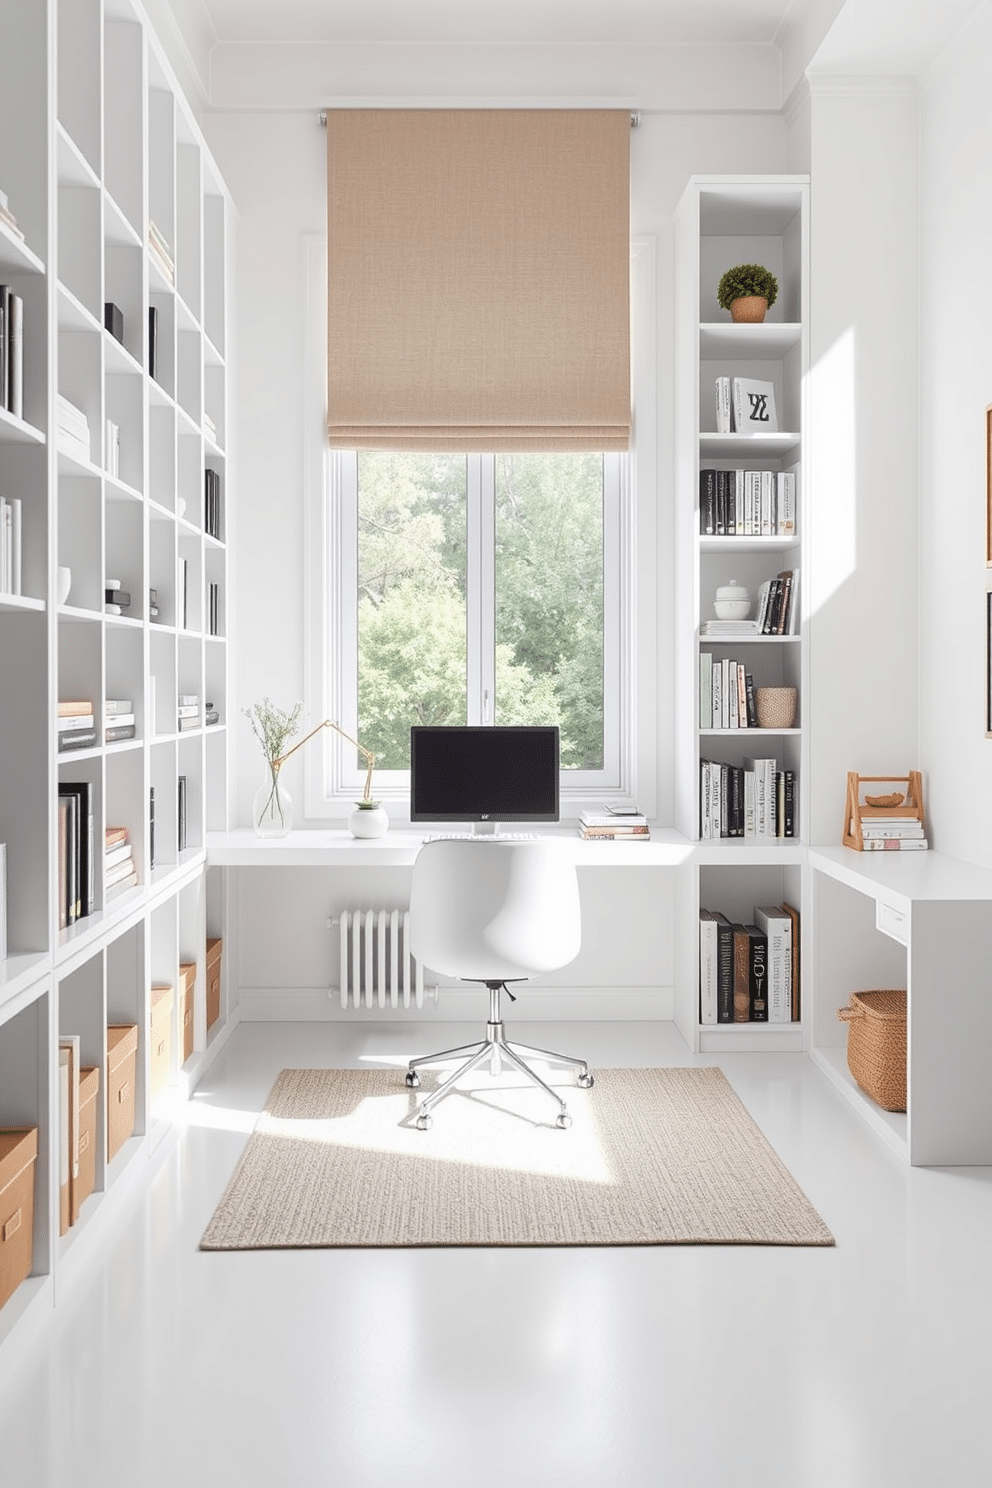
(493, 911)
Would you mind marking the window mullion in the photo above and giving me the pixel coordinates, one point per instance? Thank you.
(481, 586)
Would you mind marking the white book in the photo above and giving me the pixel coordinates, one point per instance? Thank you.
(708, 944)
(118, 705)
(882, 829)
(749, 821)
(705, 689)
(767, 502)
(740, 499)
(895, 844)
(753, 406)
(724, 423)
(78, 721)
(717, 695)
(776, 925)
(785, 524)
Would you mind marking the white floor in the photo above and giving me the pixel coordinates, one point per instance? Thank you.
(864, 1366)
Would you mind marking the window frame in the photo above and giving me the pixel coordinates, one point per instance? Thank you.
(331, 778)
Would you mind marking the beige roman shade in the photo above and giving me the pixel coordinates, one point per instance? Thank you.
(478, 279)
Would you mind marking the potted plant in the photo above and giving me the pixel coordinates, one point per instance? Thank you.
(747, 291)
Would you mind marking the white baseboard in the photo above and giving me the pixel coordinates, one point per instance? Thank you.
(557, 1004)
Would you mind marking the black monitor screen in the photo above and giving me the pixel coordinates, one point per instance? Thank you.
(492, 773)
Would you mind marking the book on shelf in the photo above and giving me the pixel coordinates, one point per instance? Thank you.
(115, 707)
(181, 814)
(153, 341)
(183, 725)
(752, 406)
(895, 844)
(785, 502)
(211, 502)
(120, 870)
(188, 710)
(187, 699)
(69, 1060)
(68, 860)
(609, 816)
(117, 732)
(81, 791)
(713, 628)
(742, 973)
(112, 891)
(776, 926)
(615, 834)
(114, 836)
(213, 607)
(794, 965)
(10, 544)
(758, 975)
(119, 720)
(114, 855)
(724, 417)
(151, 826)
(73, 707)
(81, 738)
(705, 689)
(708, 972)
(15, 355)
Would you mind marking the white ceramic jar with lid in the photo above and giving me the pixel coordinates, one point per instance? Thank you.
(732, 602)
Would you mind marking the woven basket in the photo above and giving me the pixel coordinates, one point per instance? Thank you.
(776, 707)
(876, 1045)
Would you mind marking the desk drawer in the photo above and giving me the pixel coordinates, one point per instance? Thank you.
(892, 922)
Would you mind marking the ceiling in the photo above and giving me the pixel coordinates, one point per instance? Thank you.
(644, 22)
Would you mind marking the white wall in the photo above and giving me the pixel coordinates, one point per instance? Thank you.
(274, 164)
(863, 445)
(956, 336)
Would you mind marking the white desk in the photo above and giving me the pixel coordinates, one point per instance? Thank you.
(922, 921)
(325, 848)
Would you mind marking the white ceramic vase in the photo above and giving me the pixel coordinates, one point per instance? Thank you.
(368, 820)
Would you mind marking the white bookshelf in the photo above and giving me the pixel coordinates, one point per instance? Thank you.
(96, 143)
(720, 222)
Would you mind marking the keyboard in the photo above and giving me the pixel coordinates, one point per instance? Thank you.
(480, 837)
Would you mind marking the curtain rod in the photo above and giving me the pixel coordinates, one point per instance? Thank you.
(635, 118)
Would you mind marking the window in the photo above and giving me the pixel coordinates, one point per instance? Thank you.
(483, 591)
(473, 588)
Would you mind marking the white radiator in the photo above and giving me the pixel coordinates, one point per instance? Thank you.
(377, 969)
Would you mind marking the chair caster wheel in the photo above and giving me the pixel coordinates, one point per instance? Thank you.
(412, 1079)
(424, 1121)
(585, 1082)
(564, 1121)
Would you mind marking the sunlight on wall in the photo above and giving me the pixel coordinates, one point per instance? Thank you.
(833, 445)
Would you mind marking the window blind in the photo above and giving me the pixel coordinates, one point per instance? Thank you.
(478, 279)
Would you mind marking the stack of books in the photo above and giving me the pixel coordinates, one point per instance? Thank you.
(120, 720)
(749, 973)
(76, 724)
(745, 405)
(117, 599)
(893, 834)
(10, 545)
(747, 503)
(187, 712)
(119, 870)
(161, 252)
(614, 824)
(74, 429)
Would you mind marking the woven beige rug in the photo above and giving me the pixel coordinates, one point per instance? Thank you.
(653, 1157)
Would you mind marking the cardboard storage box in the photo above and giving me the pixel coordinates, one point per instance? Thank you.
(85, 1180)
(18, 1153)
(161, 1037)
(214, 949)
(122, 1049)
(187, 984)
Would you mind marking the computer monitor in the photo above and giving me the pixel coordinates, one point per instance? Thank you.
(496, 773)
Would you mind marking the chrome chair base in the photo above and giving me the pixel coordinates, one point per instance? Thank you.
(495, 1049)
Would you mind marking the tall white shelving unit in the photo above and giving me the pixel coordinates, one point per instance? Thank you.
(720, 222)
(96, 143)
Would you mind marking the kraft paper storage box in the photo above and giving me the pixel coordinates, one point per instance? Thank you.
(187, 984)
(85, 1181)
(122, 1049)
(18, 1153)
(215, 947)
(161, 1041)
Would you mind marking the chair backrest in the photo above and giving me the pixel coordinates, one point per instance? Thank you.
(494, 911)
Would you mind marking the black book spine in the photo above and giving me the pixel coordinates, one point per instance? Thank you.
(725, 972)
(707, 502)
(736, 813)
(181, 817)
(790, 803)
(153, 341)
(751, 701)
(759, 975)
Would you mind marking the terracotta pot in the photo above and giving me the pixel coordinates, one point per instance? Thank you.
(749, 308)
